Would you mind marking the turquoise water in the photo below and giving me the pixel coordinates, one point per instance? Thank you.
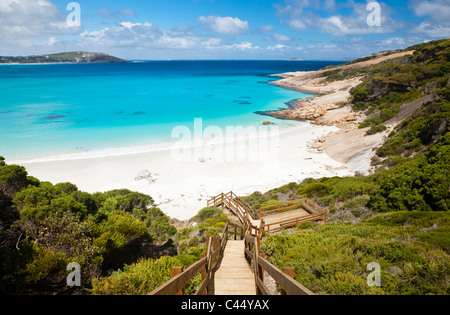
(63, 109)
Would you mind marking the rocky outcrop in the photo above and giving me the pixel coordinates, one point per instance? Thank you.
(311, 112)
(98, 58)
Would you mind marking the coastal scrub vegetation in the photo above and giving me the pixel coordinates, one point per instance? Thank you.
(44, 227)
(410, 247)
(398, 216)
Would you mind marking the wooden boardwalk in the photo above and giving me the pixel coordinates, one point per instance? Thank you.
(225, 268)
(275, 219)
(234, 276)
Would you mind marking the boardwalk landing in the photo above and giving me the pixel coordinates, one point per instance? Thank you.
(281, 217)
(234, 276)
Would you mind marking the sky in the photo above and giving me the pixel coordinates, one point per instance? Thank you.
(220, 29)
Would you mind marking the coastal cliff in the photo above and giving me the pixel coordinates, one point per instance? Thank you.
(69, 57)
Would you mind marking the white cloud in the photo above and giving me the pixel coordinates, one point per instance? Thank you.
(138, 35)
(26, 18)
(433, 30)
(224, 25)
(51, 41)
(436, 13)
(297, 25)
(278, 38)
(284, 49)
(266, 29)
(342, 26)
(300, 16)
(219, 44)
(154, 43)
(277, 47)
(438, 10)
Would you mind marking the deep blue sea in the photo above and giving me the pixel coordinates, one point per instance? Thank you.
(50, 110)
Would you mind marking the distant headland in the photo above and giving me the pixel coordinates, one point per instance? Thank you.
(67, 57)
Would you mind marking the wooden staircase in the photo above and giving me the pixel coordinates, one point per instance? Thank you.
(233, 264)
(234, 276)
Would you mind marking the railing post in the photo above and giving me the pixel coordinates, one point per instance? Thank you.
(290, 271)
(175, 272)
(261, 228)
(261, 269)
(208, 237)
(256, 264)
(208, 251)
(203, 273)
(258, 243)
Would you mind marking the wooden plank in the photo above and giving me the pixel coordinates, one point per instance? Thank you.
(234, 276)
(285, 216)
(288, 284)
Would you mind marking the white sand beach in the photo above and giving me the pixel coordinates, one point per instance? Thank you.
(182, 188)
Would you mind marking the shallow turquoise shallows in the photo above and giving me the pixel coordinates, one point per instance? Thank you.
(64, 109)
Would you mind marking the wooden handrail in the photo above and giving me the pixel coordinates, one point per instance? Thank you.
(177, 283)
(283, 203)
(280, 206)
(289, 285)
(234, 203)
(295, 221)
(205, 265)
(261, 265)
(278, 210)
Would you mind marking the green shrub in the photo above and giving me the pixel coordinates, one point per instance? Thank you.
(208, 213)
(140, 278)
(333, 259)
(359, 93)
(316, 190)
(375, 129)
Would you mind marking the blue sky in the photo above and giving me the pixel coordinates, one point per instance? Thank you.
(221, 29)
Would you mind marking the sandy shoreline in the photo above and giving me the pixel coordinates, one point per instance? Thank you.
(181, 188)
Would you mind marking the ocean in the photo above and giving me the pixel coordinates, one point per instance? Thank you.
(69, 109)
